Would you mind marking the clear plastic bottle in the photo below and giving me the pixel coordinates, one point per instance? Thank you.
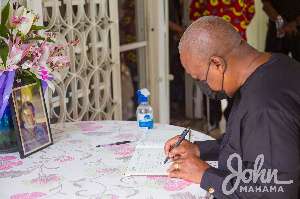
(144, 112)
(279, 24)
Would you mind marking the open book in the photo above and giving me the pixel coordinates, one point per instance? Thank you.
(148, 157)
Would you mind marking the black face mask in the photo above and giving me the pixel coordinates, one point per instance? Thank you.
(205, 88)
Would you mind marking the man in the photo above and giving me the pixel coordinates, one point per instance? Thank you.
(33, 134)
(287, 38)
(264, 122)
(239, 14)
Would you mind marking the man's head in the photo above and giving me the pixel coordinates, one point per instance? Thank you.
(28, 115)
(209, 41)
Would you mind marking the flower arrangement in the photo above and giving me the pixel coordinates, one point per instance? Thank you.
(26, 55)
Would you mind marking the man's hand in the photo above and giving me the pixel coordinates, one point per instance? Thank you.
(289, 28)
(184, 149)
(190, 168)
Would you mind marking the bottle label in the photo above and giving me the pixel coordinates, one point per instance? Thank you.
(145, 121)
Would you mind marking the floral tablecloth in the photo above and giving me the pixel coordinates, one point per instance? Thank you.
(73, 167)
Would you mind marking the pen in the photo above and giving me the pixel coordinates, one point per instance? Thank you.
(117, 143)
(182, 136)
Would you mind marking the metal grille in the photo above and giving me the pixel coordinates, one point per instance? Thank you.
(91, 89)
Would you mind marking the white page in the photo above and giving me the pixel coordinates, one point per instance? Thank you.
(148, 161)
(157, 138)
(149, 156)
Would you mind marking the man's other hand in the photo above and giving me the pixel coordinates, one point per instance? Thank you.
(190, 168)
(289, 28)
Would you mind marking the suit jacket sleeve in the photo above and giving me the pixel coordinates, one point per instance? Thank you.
(274, 135)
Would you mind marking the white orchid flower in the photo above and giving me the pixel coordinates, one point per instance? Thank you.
(25, 25)
(15, 14)
(55, 74)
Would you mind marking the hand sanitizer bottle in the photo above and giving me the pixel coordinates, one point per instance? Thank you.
(279, 24)
(144, 112)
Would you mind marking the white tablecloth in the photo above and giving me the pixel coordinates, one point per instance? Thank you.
(73, 167)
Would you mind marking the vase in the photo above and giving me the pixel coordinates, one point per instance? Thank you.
(8, 141)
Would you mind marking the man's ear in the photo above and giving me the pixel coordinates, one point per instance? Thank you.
(218, 62)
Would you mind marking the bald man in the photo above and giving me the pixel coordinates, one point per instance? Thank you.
(258, 156)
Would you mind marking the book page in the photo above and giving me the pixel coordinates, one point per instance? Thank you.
(148, 161)
(157, 138)
(148, 157)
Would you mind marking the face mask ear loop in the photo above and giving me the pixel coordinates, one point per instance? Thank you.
(223, 81)
(207, 71)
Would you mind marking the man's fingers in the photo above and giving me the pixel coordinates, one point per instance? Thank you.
(174, 174)
(175, 158)
(175, 170)
(174, 167)
(170, 144)
(177, 152)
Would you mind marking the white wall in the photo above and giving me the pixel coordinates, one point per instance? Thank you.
(257, 29)
(157, 23)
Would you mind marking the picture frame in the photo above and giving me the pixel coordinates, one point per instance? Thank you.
(30, 119)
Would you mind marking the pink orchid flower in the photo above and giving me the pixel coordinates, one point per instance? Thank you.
(14, 55)
(41, 69)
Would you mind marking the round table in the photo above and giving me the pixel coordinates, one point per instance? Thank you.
(73, 167)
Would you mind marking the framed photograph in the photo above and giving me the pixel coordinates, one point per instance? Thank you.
(30, 119)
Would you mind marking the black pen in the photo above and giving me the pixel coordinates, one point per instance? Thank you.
(117, 143)
(182, 136)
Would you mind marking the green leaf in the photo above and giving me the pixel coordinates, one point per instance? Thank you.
(40, 38)
(33, 76)
(4, 53)
(4, 32)
(4, 14)
(38, 28)
(50, 40)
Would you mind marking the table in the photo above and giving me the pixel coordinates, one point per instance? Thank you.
(74, 168)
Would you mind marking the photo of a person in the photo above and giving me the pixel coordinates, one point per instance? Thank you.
(31, 119)
(33, 134)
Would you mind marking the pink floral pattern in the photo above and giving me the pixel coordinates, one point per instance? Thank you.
(110, 197)
(45, 179)
(92, 128)
(125, 151)
(116, 146)
(177, 186)
(5, 163)
(84, 123)
(32, 195)
(7, 158)
(76, 164)
(73, 142)
(109, 170)
(64, 159)
(157, 177)
(125, 136)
